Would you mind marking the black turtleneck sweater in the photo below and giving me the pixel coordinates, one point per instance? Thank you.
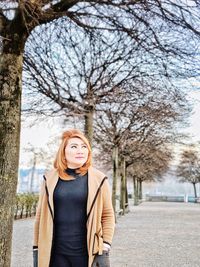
(70, 215)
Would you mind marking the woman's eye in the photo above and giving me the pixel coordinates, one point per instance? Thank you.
(76, 146)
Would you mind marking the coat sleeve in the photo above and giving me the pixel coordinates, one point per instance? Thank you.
(108, 216)
(37, 217)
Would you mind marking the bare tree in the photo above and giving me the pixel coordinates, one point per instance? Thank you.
(76, 80)
(148, 161)
(112, 123)
(139, 131)
(188, 170)
(74, 70)
(19, 18)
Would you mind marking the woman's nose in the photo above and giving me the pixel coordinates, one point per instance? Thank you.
(80, 150)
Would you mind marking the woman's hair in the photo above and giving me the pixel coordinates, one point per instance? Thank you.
(60, 162)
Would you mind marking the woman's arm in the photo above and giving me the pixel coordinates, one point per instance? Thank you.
(108, 216)
(108, 226)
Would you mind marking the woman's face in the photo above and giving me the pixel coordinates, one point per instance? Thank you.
(76, 153)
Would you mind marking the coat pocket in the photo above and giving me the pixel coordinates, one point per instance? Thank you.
(97, 244)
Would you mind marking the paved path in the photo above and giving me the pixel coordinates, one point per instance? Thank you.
(151, 235)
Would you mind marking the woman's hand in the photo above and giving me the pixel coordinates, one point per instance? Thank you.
(35, 258)
(102, 260)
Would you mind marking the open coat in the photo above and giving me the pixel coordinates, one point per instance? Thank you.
(100, 216)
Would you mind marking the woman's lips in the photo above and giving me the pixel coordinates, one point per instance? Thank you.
(79, 157)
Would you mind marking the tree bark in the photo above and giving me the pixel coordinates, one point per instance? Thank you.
(115, 176)
(195, 190)
(121, 182)
(89, 116)
(126, 197)
(89, 113)
(123, 186)
(140, 189)
(10, 108)
(135, 186)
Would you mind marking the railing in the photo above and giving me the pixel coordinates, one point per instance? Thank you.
(165, 198)
(172, 198)
(25, 205)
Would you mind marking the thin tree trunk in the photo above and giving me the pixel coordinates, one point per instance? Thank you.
(140, 189)
(135, 186)
(126, 198)
(89, 113)
(30, 189)
(121, 182)
(123, 186)
(195, 191)
(10, 108)
(89, 124)
(115, 175)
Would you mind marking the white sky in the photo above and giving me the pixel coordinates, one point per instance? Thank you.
(40, 134)
(194, 129)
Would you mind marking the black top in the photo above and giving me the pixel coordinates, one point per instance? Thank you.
(70, 215)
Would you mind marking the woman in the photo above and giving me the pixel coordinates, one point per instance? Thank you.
(75, 222)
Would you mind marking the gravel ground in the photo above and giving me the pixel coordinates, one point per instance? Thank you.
(153, 234)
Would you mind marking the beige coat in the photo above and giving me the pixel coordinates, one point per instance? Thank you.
(100, 221)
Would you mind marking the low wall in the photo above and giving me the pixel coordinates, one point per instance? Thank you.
(172, 198)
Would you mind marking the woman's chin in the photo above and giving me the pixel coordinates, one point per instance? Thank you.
(79, 163)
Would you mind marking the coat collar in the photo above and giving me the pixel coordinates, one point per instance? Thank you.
(95, 179)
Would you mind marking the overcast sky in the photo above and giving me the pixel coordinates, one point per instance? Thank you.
(40, 134)
(194, 128)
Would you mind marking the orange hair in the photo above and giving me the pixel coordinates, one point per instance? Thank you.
(60, 162)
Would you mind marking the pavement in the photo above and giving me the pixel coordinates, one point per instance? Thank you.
(153, 234)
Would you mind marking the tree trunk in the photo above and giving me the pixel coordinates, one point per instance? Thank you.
(140, 189)
(195, 191)
(123, 186)
(30, 189)
(126, 198)
(121, 182)
(10, 109)
(89, 113)
(135, 186)
(89, 124)
(115, 175)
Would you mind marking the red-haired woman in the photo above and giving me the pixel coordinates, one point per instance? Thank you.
(74, 222)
